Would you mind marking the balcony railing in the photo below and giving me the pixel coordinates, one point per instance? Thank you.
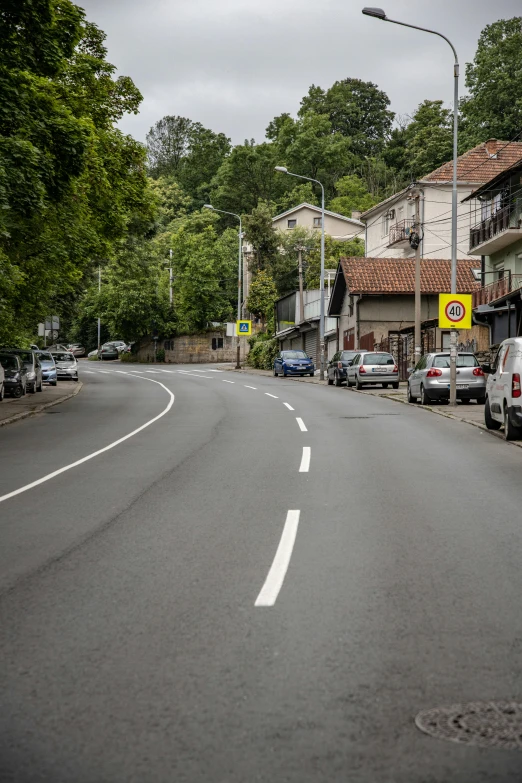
(489, 293)
(490, 227)
(400, 232)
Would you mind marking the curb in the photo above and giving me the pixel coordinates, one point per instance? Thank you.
(26, 414)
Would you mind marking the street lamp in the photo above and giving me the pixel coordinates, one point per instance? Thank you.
(284, 170)
(240, 264)
(378, 13)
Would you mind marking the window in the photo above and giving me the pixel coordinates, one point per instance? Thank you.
(217, 343)
(446, 339)
(376, 359)
(168, 345)
(463, 360)
(292, 223)
(317, 222)
(422, 363)
(293, 355)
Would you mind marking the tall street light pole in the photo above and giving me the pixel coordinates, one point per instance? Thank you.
(284, 170)
(99, 320)
(378, 13)
(239, 269)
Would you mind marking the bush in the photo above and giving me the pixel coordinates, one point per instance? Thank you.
(160, 355)
(263, 350)
(92, 358)
(128, 357)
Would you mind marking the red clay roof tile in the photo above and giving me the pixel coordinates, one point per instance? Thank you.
(397, 275)
(481, 163)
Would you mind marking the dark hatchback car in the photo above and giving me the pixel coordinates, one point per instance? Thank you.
(31, 362)
(108, 351)
(336, 370)
(293, 363)
(15, 382)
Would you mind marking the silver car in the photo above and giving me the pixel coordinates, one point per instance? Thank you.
(430, 379)
(66, 365)
(372, 367)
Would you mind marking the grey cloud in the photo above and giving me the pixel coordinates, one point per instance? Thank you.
(235, 64)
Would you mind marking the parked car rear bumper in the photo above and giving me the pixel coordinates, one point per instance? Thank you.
(473, 393)
(370, 378)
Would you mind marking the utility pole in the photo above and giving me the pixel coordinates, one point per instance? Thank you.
(416, 244)
(99, 321)
(170, 279)
(301, 291)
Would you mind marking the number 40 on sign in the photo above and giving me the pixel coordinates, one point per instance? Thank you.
(455, 311)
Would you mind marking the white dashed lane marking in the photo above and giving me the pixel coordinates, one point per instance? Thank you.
(301, 423)
(288, 406)
(305, 460)
(271, 395)
(277, 573)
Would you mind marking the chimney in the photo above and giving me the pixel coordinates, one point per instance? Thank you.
(491, 148)
(356, 214)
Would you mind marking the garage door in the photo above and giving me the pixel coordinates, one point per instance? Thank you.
(311, 344)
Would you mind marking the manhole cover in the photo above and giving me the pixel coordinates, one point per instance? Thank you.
(489, 724)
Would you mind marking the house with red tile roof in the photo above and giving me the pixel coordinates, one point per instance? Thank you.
(372, 297)
(388, 225)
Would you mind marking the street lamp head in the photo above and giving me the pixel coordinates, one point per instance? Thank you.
(208, 206)
(378, 13)
(282, 169)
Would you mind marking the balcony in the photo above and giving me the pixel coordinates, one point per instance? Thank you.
(399, 235)
(496, 290)
(497, 231)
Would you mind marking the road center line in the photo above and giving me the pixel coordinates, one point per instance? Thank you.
(104, 372)
(224, 381)
(251, 387)
(277, 573)
(288, 406)
(121, 372)
(302, 425)
(112, 445)
(194, 375)
(271, 395)
(305, 460)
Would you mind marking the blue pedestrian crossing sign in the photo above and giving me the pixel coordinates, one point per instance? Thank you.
(244, 328)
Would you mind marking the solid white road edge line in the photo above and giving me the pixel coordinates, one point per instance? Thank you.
(277, 573)
(301, 423)
(271, 395)
(250, 387)
(288, 406)
(305, 460)
(55, 473)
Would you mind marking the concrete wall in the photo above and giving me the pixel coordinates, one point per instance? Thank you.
(335, 227)
(437, 235)
(196, 348)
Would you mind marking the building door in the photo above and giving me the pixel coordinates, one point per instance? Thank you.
(311, 344)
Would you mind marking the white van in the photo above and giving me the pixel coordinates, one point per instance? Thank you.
(503, 390)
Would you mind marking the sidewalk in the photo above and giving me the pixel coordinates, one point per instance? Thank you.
(14, 410)
(468, 414)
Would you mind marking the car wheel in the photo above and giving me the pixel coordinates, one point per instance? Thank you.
(511, 432)
(311, 375)
(276, 374)
(481, 400)
(395, 385)
(18, 391)
(490, 422)
(411, 398)
(2, 393)
(384, 385)
(358, 385)
(40, 387)
(54, 383)
(32, 389)
(425, 400)
(338, 381)
(348, 382)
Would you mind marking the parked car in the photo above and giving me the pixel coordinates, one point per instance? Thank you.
(337, 366)
(293, 363)
(34, 368)
(76, 349)
(430, 379)
(371, 367)
(503, 390)
(56, 347)
(108, 351)
(66, 365)
(92, 353)
(15, 374)
(48, 367)
(120, 345)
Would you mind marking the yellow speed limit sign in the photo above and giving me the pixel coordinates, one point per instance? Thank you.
(455, 311)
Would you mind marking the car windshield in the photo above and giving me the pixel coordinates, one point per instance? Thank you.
(378, 358)
(45, 357)
(346, 355)
(8, 362)
(294, 355)
(466, 360)
(63, 357)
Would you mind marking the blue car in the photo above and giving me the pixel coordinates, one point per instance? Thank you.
(48, 367)
(293, 363)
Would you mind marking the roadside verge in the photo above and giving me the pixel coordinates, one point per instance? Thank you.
(8, 416)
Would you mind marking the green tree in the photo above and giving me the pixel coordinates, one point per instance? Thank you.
(494, 106)
(262, 295)
(357, 110)
(260, 233)
(352, 194)
(334, 250)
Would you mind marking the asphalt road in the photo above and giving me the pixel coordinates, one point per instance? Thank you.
(149, 633)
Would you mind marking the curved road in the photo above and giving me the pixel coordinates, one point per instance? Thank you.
(264, 583)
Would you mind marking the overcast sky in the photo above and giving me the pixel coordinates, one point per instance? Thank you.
(233, 65)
